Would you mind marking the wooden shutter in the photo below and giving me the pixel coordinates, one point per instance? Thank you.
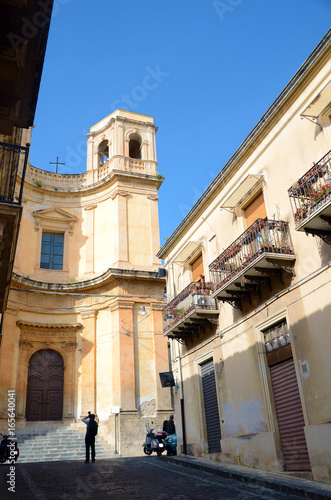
(211, 407)
(197, 268)
(255, 210)
(289, 416)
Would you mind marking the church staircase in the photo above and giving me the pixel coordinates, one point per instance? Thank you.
(39, 443)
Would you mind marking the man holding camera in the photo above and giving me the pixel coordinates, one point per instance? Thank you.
(91, 432)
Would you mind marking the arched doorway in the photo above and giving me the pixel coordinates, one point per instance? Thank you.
(45, 386)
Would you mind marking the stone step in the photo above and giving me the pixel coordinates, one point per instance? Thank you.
(56, 444)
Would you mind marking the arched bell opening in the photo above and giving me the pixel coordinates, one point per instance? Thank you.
(103, 152)
(135, 146)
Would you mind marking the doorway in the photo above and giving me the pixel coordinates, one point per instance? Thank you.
(45, 386)
(211, 407)
(289, 416)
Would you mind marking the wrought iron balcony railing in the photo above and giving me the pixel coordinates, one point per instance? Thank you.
(195, 297)
(12, 159)
(311, 194)
(262, 238)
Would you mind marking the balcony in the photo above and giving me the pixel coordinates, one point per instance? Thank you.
(190, 313)
(262, 252)
(310, 199)
(11, 159)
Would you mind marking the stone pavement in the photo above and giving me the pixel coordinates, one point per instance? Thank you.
(277, 481)
(164, 478)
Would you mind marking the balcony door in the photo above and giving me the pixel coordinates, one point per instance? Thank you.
(255, 210)
(197, 268)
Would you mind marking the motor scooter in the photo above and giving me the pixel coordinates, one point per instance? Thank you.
(170, 444)
(9, 450)
(154, 442)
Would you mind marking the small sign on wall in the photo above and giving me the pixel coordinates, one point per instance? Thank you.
(167, 379)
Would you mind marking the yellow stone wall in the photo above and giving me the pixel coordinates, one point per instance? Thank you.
(91, 311)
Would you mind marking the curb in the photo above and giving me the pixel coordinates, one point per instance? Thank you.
(292, 485)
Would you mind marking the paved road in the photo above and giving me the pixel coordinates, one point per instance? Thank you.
(123, 479)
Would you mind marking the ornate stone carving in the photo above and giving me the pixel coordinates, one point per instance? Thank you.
(90, 207)
(153, 197)
(119, 192)
(71, 346)
(25, 345)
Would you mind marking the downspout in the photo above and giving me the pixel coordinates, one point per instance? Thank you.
(182, 409)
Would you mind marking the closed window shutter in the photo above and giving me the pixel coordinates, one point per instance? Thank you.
(52, 246)
(197, 268)
(255, 210)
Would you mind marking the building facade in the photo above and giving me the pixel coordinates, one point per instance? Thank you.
(248, 285)
(21, 63)
(83, 324)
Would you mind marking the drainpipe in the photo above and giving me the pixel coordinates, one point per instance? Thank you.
(182, 410)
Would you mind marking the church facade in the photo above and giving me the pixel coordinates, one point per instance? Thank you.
(83, 326)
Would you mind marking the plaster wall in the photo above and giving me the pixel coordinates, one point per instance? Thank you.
(249, 427)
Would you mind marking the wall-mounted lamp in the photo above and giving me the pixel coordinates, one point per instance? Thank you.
(143, 312)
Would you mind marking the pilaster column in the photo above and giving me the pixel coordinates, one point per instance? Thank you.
(119, 134)
(161, 360)
(8, 362)
(155, 235)
(90, 230)
(123, 356)
(121, 229)
(88, 365)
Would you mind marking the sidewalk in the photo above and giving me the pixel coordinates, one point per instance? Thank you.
(275, 481)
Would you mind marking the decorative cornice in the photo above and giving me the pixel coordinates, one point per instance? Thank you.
(111, 275)
(27, 326)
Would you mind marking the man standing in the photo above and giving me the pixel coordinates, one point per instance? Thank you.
(91, 432)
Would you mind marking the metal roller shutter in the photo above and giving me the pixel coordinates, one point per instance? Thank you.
(211, 407)
(290, 416)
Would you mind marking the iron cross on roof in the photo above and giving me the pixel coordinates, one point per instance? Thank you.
(57, 163)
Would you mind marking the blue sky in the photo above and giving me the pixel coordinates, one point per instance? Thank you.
(220, 65)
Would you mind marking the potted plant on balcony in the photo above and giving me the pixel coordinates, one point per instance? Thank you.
(180, 312)
(300, 214)
(266, 246)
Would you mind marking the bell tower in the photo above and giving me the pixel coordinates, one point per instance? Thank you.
(121, 149)
(125, 139)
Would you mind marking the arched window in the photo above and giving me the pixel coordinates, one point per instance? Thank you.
(103, 152)
(135, 146)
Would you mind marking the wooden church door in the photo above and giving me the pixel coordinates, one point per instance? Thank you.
(45, 386)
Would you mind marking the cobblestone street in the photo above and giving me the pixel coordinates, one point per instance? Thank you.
(126, 478)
